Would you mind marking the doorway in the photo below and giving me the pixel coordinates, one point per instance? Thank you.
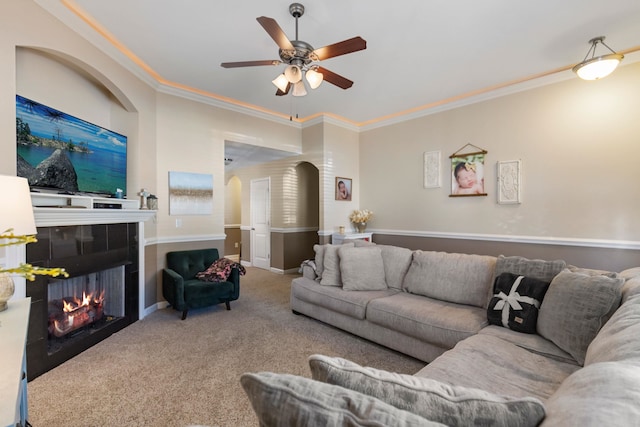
(260, 211)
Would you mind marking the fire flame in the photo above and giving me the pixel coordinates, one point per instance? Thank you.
(77, 303)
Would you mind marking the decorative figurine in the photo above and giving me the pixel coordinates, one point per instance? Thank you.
(143, 199)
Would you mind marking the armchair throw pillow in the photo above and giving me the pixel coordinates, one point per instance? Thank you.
(516, 301)
(220, 271)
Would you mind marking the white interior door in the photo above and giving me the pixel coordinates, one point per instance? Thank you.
(260, 223)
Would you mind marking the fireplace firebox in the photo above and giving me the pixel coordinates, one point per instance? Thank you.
(100, 296)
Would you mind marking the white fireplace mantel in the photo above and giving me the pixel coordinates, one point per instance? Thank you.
(51, 217)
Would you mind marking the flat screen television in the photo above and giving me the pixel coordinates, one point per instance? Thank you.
(61, 153)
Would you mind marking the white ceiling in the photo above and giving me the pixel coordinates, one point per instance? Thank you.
(419, 52)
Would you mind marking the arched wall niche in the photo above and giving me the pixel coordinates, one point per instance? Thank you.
(88, 71)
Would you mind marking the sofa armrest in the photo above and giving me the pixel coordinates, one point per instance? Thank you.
(173, 288)
(309, 272)
(234, 278)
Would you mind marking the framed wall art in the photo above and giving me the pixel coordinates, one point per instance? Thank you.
(190, 193)
(467, 172)
(432, 175)
(509, 182)
(343, 188)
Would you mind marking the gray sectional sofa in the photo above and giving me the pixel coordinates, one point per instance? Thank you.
(580, 363)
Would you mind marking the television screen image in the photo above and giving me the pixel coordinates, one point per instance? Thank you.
(57, 151)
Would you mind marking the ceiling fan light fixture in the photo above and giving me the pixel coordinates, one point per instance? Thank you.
(597, 67)
(299, 89)
(314, 78)
(293, 73)
(281, 82)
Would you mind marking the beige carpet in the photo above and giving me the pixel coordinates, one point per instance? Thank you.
(162, 371)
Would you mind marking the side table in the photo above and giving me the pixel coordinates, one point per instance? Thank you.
(338, 239)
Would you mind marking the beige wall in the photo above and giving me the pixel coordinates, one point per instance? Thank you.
(578, 142)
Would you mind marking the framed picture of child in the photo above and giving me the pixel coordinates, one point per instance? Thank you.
(467, 175)
(343, 189)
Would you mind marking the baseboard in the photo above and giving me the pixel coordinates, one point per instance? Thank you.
(157, 306)
(246, 263)
(280, 271)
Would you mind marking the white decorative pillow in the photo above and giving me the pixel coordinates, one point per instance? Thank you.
(450, 405)
(331, 271)
(288, 400)
(575, 307)
(361, 268)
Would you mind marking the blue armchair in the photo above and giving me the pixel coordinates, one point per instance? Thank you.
(183, 290)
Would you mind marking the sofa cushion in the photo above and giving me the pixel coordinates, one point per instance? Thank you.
(515, 302)
(353, 304)
(361, 268)
(458, 278)
(531, 342)
(437, 322)
(288, 400)
(618, 339)
(498, 366)
(319, 250)
(331, 264)
(450, 405)
(396, 262)
(575, 308)
(536, 268)
(602, 394)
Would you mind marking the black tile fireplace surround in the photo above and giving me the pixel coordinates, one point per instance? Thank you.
(82, 250)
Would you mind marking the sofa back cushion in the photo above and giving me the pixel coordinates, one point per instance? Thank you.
(396, 262)
(319, 250)
(451, 277)
(575, 307)
(534, 268)
(361, 268)
(190, 262)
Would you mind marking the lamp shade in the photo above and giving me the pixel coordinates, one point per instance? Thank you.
(281, 82)
(599, 67)
(16, 211)
(314, 78)
(293, 73)
(299, 89)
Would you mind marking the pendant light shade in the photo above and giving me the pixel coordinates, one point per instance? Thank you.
(596, 67)
(314, 78)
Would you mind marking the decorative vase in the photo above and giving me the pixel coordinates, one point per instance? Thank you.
(361, 226)
(7, 289)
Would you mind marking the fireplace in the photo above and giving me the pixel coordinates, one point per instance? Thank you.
(100, 296)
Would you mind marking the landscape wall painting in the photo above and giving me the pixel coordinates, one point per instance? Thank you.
(190, 193)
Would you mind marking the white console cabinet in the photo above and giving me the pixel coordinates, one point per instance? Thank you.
(338, 239)
(14, 322)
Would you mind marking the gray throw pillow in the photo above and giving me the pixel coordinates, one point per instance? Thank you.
(331, 263)
(288, 400)
(450, 405)
(535, 268)
(319, 249)
(361, 268)
(396, 262)
(575, 307)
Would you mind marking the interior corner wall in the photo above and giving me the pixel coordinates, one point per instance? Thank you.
(341, 159)
(578, 143)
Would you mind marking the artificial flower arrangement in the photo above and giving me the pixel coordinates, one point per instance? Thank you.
(28, 271)
(360, 216)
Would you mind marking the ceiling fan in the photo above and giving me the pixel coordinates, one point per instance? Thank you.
(301, 58)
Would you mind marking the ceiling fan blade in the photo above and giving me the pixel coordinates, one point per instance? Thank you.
(249, 63)
(273, 29)
(341, 48)
(281, 93)
(335, 79)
